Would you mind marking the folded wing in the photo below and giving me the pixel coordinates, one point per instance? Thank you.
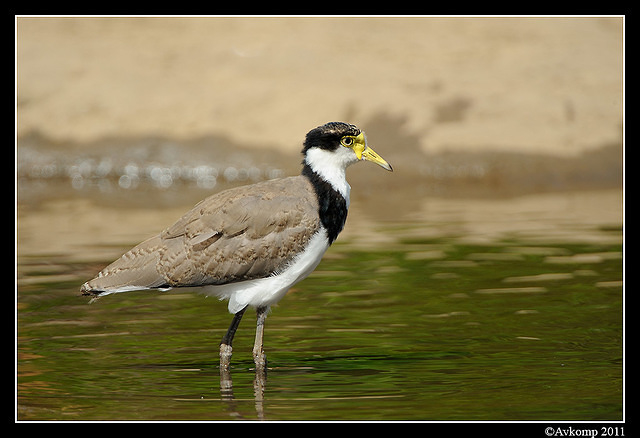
(240, 234)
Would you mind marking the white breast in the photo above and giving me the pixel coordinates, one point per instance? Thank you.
(267, 291)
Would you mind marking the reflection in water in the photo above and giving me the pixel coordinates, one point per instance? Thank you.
(415, 328)
(259, 385)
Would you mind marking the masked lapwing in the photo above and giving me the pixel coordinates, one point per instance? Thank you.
(250, 244)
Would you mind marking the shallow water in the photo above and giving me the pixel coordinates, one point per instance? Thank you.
(501, 310)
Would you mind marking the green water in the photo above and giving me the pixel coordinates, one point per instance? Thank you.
(423, 329)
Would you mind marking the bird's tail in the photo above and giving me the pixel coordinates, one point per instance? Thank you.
(135, 270)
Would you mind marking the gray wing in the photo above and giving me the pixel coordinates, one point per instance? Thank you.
(239, 234)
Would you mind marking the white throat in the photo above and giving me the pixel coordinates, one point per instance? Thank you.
(332, 166)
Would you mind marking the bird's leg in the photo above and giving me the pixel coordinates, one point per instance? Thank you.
(227, 339)
(259, 357)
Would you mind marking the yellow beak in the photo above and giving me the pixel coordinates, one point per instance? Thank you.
(370, 155)
(364, 152)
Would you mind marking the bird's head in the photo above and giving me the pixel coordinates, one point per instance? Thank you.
(339, 144)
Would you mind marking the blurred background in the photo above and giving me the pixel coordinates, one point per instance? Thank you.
(160, 112)
(506, 139)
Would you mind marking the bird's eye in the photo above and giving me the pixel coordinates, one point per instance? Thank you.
(347, 141)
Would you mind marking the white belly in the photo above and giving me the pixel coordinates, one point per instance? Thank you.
(267, 291)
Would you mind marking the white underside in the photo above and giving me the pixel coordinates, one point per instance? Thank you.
(267, 291)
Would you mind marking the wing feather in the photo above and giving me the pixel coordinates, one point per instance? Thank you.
(240, 234)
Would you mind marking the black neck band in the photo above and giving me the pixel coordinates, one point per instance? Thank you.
(332, 205)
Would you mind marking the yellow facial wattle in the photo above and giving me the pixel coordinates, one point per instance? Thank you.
(363, 152)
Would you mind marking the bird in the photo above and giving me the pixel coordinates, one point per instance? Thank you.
(250, 244)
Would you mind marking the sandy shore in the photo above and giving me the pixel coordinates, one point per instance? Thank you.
(551, 85)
